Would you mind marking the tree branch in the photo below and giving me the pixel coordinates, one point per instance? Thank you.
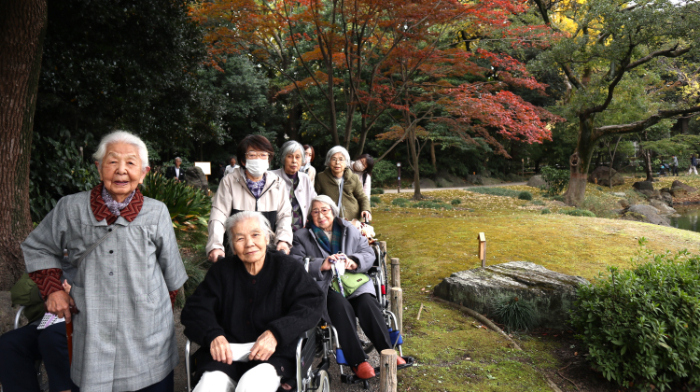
(643, 124)
(670, 52)
(570, 76)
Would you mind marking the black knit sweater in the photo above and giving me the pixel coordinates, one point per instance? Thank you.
(282, 298)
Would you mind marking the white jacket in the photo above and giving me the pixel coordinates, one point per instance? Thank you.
(304, 193)
(233, 196)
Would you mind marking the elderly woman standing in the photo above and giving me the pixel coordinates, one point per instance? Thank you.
(258, 295)
(123, 247)
(299, 186)
(251, 188)
(326, 240)
(343, 186)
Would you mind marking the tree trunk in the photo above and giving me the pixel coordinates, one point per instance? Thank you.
(432, 156)
(413, 151)
(579, 162)
(22, 28)
(648, 168)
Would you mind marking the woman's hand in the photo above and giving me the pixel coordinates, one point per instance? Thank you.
(221, 351)
(350, 264)
(59, 303)
(326, 266)
(215, 254)
(66, 286)
(264, 347)
(367, 215)
(283, 246)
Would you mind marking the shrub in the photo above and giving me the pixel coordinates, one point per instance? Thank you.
(376, 191)
(558, 198)
(517, 315)
(375, 199)
(538, 203)
(578, 212)
(383, 172)
(189, 207)
(456, 202)
(556, 179)
(373, 204)
(400, 201)
(642, 326)
(546, 211)
(497, 191)
(431, 204)
(525, 195)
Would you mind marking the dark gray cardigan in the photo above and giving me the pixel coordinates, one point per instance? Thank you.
(281, 298)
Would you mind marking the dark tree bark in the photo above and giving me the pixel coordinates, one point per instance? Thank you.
(22, 30)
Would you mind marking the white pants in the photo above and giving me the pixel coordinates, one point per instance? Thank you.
(262, 378)
(693, 169)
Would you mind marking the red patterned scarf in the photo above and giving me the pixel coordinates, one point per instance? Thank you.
(100, 210)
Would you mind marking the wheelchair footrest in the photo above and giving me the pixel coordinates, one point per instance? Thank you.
(353, 379)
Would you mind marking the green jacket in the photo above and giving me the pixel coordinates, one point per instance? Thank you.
(354, 199)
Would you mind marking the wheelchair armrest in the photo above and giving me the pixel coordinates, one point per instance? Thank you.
(18, 316)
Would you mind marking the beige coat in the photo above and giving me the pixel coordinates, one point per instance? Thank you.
(234, 196)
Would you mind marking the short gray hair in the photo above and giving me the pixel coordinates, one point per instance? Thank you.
(336, 150)
(177, 159)
(122, 137)
(235, 219)
(326, 200)
(291, 147)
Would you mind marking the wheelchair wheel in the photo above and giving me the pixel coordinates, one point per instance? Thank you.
(324, 382)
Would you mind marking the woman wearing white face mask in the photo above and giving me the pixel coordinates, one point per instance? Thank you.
(251, 188)
(363, 166)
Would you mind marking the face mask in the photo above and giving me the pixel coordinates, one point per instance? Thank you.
(358, 166)
(257, 167)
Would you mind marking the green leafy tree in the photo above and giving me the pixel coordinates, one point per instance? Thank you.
(606, 48)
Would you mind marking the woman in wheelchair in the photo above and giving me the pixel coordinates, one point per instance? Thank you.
(258, 296)
(329, 242)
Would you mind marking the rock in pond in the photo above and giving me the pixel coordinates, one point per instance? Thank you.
(651, 214)
(551, 293)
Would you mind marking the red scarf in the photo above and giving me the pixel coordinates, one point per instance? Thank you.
(101, 212)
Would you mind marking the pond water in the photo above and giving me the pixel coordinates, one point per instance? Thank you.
(688, 219)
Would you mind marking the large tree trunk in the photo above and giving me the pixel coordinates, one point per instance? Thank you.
(579, 163)
(22, 30)
(647, 165)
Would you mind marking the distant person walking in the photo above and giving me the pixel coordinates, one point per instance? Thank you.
(176, 171)
(231, 167)
(693, 165)
(674, 165)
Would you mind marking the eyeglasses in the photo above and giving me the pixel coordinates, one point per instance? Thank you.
(339, 160)
(323, 211)
(257, 155)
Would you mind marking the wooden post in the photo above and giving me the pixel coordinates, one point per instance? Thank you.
(397, 306)
(395, 272)
(387, 372)
(382, 246)
(482, 249)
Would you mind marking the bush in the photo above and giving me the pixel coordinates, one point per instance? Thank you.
(375, 199)
(383, 172)
(558, 198)
(525, 195)
(498, 191)
(376, 191)
(400, 201)
(546, 211)
(189, 207)
(456, 202)
(642, 326)
(578, 212)
(373, 204)
(537, 203)
(431, 204)
(556, 179)
(517, 315)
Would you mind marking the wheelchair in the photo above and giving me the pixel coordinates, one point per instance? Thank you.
(43, 381)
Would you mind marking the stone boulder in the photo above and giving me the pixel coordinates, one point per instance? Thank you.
(663, 208)
(455, 180)
(604, 176)
(474, 179)
(643, 185)
(536, 182)
(427, 183)
(194, 176)
(650, 213)
(679, 189)
(551, 293)
(667, 198)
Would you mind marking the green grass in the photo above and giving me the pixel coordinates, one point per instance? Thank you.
(432, 244)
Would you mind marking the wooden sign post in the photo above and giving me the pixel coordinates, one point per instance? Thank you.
(482, 248)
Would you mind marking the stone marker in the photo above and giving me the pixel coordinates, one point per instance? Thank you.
(551, 293)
